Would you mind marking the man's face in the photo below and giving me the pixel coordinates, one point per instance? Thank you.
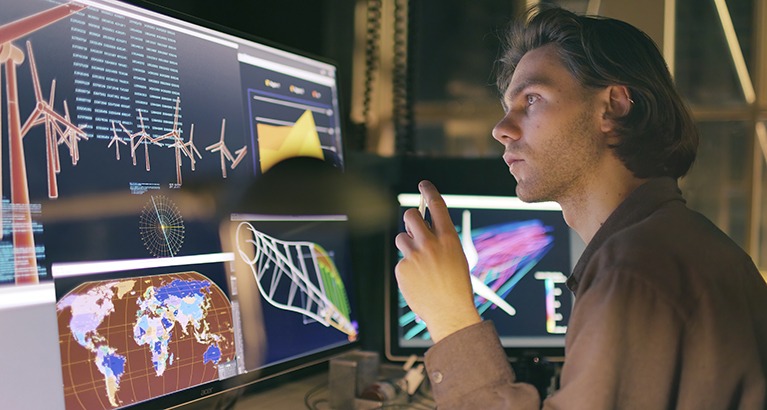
(551, 129)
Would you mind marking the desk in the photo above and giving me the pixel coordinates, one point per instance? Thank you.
(291, 395)
(287, 395)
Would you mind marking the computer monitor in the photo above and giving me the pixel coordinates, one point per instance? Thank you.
(520, 255)
(134, 271)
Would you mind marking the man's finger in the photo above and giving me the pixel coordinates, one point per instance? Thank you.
(440, 217)
(415, 226)
(404, 243)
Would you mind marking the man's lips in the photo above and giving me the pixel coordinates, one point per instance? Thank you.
(510, 159)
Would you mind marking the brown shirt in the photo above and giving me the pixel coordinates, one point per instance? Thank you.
(669, 313)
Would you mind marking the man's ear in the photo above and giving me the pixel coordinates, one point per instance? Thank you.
(618, 105)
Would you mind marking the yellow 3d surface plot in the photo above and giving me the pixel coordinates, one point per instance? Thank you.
(280, 142)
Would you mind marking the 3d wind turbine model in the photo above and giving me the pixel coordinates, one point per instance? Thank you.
(54, 134)
(25, 257)
(140, 138)
(187, 148)
(220, 146)
(116, 140)
(182, 148)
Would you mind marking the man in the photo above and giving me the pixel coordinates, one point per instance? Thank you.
(669, 312)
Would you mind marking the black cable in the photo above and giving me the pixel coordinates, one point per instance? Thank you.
(311, 392)
(412, 35)
(417, 406)
(316, 402)
(372, 58)
(402, 107)
(423, 395)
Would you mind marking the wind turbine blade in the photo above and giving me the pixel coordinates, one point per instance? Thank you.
(482, 290)
(466, 242)
(35, 77)
(27, 25)
(473, 258)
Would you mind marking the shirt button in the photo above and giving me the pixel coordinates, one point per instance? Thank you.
(436, 377)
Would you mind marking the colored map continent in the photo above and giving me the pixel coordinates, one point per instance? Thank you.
(143, 337)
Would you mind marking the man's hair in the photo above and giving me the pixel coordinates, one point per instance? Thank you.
(658, 136)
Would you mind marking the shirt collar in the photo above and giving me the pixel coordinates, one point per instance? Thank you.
(637, 206)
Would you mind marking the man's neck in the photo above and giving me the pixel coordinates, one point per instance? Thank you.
(587, 209)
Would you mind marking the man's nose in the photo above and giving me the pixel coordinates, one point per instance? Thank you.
(506, 129)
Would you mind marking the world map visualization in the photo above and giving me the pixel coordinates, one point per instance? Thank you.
(129, 340)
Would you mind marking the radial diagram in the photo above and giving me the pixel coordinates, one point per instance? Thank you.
(161, 227)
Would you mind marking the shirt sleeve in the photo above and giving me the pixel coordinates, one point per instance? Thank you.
(623, 347)
(469, 370)
(623, 351)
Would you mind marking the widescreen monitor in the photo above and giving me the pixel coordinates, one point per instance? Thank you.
(520, 255)
(134, 270)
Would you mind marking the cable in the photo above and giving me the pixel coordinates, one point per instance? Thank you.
(402, 84)
(416, 406)
(424, 396)
(311, 392)
(372, 39)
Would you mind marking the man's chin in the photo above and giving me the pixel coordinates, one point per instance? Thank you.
(529, 197)
(524, 197)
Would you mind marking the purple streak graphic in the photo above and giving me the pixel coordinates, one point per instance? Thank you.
(507, 252)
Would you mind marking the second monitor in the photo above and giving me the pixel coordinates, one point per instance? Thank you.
(520, 256)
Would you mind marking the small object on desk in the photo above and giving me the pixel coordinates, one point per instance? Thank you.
(413, 379)
(414, 376)
(410, 362)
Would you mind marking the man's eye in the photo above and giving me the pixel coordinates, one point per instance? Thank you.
(532, 99)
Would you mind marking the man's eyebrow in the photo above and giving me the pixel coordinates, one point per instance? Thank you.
(528, 82)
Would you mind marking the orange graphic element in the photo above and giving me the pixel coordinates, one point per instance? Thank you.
(280, 142)
(182, 148)
(25, 258)
(116, 141)
(187, 148)
(220, 147)
(140, 138)
(44, 114)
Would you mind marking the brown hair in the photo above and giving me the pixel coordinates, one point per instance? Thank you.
(658, 136)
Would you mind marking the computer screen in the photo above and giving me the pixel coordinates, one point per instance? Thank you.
(133, 269)
(520, 255)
